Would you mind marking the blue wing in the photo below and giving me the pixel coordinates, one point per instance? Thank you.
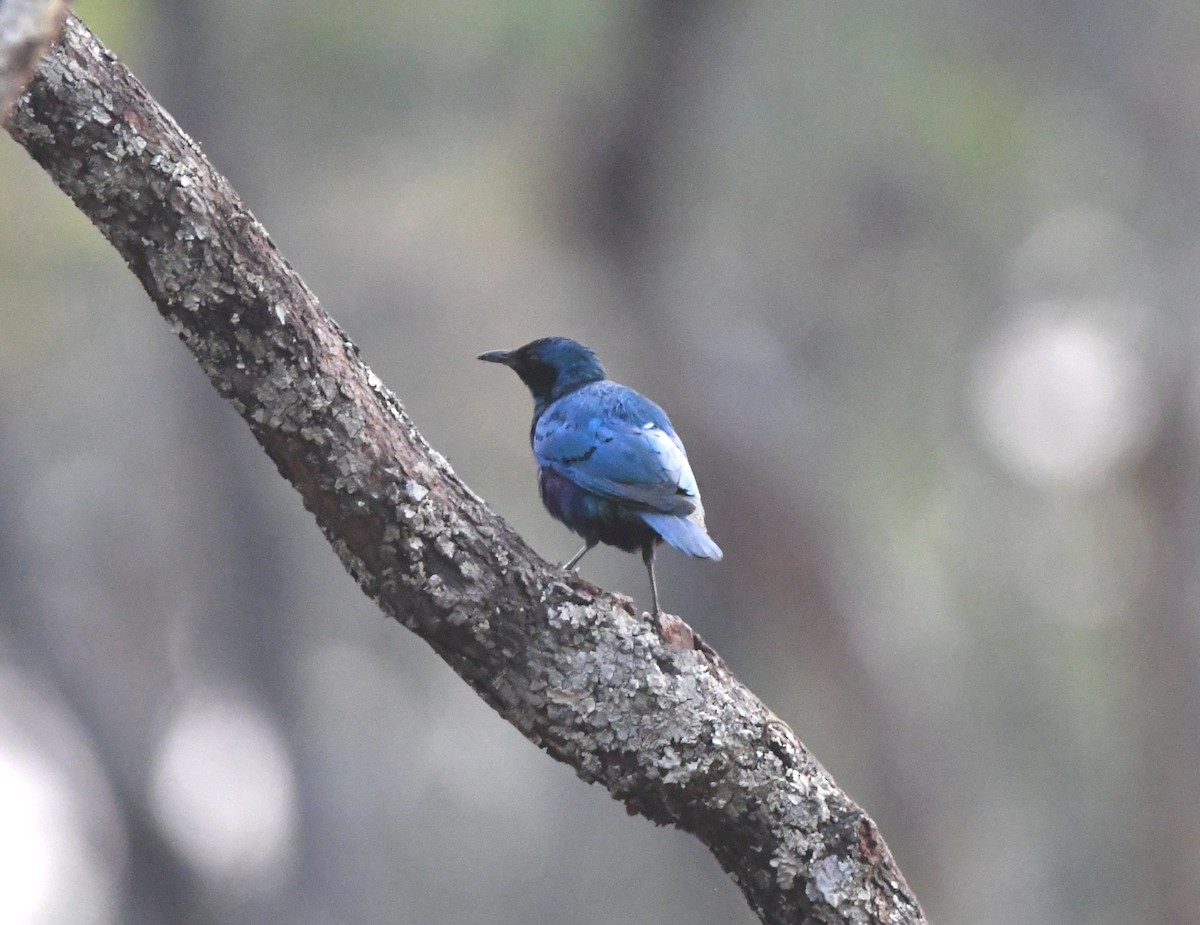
(612, 441)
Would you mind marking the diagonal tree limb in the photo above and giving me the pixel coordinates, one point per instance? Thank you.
(651, 713)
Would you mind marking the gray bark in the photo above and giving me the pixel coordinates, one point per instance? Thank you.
(647, 710)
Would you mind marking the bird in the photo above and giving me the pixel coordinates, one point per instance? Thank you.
(609, 464)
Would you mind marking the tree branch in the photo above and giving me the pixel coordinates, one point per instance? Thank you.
(653, 715)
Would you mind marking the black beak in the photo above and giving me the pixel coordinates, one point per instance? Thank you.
(504, 357)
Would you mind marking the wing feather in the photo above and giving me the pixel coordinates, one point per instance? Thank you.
(613, 442)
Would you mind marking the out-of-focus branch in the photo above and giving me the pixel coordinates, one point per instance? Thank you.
(650, 712)
(27, 27)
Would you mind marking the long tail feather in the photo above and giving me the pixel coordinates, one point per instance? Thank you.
(684, 535)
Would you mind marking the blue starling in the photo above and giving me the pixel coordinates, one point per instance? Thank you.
(610, 465)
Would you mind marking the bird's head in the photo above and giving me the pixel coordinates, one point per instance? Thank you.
(550, 367)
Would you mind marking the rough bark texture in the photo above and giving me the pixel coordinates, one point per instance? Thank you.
(649, 712)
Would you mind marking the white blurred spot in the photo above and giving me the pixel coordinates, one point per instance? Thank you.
(62, 848)
(48, 872)
(223, 791)
(1061, 399)
(31, 806)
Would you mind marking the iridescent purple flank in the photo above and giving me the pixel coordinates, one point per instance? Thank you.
(592, 516)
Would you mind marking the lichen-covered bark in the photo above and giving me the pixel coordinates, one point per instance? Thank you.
(646, 710)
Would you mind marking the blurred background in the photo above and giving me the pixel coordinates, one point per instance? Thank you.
(917, 284)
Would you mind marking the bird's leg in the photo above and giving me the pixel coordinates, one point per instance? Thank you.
(574, 560)
(648, 558)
